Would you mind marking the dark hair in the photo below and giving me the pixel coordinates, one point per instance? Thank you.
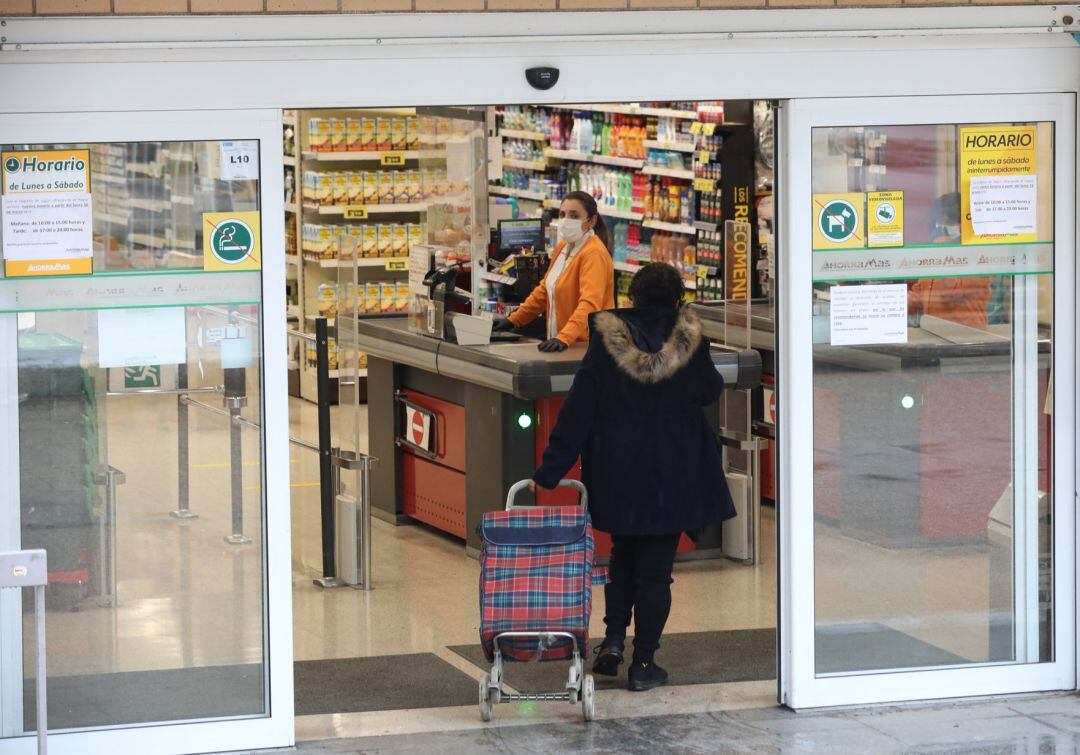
(589, 203)
(657, 285)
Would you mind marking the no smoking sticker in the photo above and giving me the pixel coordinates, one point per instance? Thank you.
(231, 241)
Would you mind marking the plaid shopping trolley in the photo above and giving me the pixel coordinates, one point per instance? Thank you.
(536, 577)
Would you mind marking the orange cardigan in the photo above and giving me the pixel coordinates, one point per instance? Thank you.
(587, 285)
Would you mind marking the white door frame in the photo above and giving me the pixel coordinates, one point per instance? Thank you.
(276, 729)
(800, 687)
(73, 65)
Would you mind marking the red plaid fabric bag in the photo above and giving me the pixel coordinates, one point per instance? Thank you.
(536, 575)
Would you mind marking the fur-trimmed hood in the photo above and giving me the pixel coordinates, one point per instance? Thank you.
(645, 344)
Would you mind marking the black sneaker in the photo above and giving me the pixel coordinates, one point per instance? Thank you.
(609, 657)
(645, 675)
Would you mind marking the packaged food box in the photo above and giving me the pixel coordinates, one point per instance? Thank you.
(341, 188)
(370, 244)
(412, 133)
(318, 134)
(371, 298)
(354, 134)
(327, 300)
(383, 133)
(400, 245)
(398, 133)
(337, 134)
(416, 234)
(401, 186)
(401, 297)
(368, 134)
(412, 188)
(356, 187)
(386, 240)
(387, 296)
(371, 187)
(386, 187)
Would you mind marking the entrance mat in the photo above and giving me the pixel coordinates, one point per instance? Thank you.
(135, 697)
(381, 682)
(738, 655)
(875, 647)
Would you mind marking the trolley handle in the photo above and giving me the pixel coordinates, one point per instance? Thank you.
(521, 485)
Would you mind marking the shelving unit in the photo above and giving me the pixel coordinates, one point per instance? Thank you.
(581, 157)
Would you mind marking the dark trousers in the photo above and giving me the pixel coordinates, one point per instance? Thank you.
(640, 571)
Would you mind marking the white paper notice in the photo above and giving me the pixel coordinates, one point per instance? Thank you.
(239, 161)
(1003, 204)
(47, 229)
(861, 315)
(137, 337)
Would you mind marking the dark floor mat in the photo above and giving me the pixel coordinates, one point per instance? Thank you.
(739, 655)
(136, 697)
(875, 647)
(381, 682)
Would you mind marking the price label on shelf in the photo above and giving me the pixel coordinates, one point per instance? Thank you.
(397, 265)
(708, 129)
(704, 156)
(695, 127)
(704, 184)
(239, 161)
(355, 212)
(703, 271)
(393, 159)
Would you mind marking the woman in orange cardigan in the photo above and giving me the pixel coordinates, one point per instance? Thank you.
(579, 281)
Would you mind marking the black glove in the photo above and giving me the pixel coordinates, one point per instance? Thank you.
(552, 345)
(502, 325)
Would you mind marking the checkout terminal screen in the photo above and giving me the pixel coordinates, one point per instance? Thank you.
(515, 235)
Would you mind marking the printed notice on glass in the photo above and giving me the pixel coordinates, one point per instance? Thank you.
(239, 161)
(138, 337)
(1003, 205)
(863, 315)
(47, 213)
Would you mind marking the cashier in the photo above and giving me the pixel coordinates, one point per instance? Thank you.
(961, 300)
(579, 281)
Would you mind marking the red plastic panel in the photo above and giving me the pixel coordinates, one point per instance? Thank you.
(433, 494)
(450, 421)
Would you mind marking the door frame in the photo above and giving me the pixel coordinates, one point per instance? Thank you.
(799, 685)
(276, 728)
(65, 65)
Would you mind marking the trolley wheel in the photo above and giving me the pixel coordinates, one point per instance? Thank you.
(588, 697)
(485, 699)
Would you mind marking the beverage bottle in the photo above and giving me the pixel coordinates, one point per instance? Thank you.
(674, 206)
(686, 204)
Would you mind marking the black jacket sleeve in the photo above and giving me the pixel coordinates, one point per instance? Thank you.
(575, 420)
(708, 377)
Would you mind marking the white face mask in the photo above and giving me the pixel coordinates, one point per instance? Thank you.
(570, 230)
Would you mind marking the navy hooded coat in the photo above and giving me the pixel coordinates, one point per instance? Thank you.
(650, 461)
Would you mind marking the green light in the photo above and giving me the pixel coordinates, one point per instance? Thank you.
(524, 421)
(907, 402)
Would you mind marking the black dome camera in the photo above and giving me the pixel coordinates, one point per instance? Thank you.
(542, 78)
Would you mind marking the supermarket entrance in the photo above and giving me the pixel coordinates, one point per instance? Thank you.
(369, 189)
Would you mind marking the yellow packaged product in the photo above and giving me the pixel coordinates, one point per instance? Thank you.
(323, 192)
(337, 134)
(341, 188)
(371, 298)
(412, 133)
(401, 186)
(383, 133)
(368, 134)
(332, 353)
(386, 240)
(371, 187)
(318, 134)
(387, 296)
(401, 297)
(400, 245)
(416, 234)
(356, 187)
(327, 300)
(370, 244)
(412, 186)
(354, 134)
(386, 187)
(398, 134)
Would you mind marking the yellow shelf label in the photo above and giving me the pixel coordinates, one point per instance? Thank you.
(704, 156)
(708, 129)
(355, 212)
(695, 127)
(704, 184)
(394, 159)
(397, 265)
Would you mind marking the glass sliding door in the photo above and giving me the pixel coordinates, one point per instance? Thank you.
(930, 255)
(134, 392)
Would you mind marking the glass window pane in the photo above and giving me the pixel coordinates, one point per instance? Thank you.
(933, 334)
(150, 505)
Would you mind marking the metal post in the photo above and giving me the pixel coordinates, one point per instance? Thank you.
(327, 489)
(235, 401)
(42, 671)
(365, 524)
(183, 460)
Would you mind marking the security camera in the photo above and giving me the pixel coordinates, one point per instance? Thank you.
(542, 78)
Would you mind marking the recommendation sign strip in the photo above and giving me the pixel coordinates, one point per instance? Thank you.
(939, 261)
(150, 290)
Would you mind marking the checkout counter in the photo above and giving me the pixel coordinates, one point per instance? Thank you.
(454, 426)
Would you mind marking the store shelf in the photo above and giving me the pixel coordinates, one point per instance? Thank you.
(611, 212)
(690, 115)
(506, 280)
(372, 209)
(363, 262)
(330, 321)
(506, 191)
(659, 225)
(510, 162)
(535, 136)
(703, 225)
(685, 174)
(292, 259)
(289, 159)
(365, 156)
(621, 162)
(627, 267)
(670, 146)
(290, 207)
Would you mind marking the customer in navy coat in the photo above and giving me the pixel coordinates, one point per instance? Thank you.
(649, 459)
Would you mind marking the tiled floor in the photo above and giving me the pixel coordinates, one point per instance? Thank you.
(1043, 725)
